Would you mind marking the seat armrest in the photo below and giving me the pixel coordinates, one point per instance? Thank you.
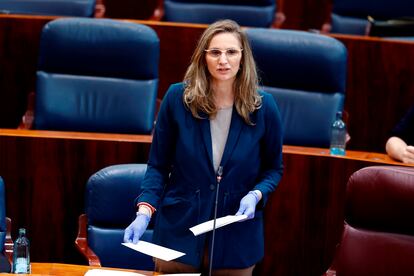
(158, 13)
(280, 16)
(81, 242)
(100, 9)
(8, 243)
(326, 28)
(330, 272)
(28, 117)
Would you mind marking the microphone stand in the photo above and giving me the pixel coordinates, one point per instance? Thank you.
(219, 174)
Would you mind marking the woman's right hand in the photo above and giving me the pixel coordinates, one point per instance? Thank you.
(135, 230)
(399, 150)
(407, 155)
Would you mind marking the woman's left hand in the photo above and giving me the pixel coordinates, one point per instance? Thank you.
(248, 206)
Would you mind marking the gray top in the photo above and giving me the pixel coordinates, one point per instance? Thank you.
(219, 127)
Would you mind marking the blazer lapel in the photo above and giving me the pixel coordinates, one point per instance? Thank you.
(206, 134)
(236, 127)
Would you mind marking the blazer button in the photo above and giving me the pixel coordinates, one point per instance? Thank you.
(212, 187)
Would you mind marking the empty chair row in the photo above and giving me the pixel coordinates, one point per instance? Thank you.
(349, 17)
(101, 75)
(249, 13)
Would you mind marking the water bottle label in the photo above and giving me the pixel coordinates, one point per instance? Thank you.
(21, 266)
(337, 151)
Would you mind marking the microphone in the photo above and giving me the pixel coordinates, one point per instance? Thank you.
(218, 179)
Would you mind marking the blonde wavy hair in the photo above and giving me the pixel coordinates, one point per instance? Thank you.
(198, 96)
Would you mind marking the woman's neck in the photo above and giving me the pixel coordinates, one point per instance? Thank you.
(223, 94)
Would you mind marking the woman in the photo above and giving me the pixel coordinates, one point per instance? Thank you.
(216, 126)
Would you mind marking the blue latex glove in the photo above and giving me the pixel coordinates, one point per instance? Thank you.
(248, 205)
(135, 230)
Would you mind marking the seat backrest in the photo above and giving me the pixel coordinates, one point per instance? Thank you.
(348, 25)
(110, 208)
(81, 8)
(378, 238)
(2, 215)
(97, 75)
(381, 198)
(255, 13)
(350, 16)
(306, 74)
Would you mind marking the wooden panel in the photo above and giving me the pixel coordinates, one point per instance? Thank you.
(379, 88)
(45, 181)
(19, 44)
(305, 14)
(133, 9)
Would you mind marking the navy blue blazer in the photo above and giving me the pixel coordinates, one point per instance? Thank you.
(180, 181)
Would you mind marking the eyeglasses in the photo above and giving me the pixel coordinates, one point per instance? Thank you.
(230, 52)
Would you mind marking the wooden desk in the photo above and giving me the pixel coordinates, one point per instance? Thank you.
(379, 83)
(45, 174)
(72, 270)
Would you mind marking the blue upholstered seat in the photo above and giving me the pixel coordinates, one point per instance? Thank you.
(110, 208)
(348, 25)
(255, 13)
(81, 8)
(350, 16)
(97, 75)
(306, 74)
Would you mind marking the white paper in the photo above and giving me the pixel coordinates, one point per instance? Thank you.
(220, 222)
(154, 250)
(106, 272)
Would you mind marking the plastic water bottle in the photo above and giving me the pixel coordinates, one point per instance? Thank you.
(338, 136)
(21, 254)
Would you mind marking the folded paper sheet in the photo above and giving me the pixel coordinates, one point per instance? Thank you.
(220, 222)
(154, 250)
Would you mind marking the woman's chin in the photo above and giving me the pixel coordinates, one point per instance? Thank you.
(224, 77)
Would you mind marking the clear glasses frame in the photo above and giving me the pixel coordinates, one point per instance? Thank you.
(229, 53)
